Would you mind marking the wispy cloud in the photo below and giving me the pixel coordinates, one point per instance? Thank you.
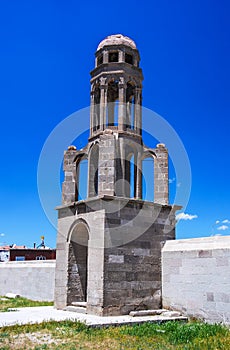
(2, 234)
(183, 216)
(226, 221)
(172, 180)
(222, 228)
(217, 222)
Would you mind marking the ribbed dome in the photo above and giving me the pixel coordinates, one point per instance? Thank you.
(117, 39)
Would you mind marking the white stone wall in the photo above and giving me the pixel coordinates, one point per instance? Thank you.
(31, 279)
(196, 277)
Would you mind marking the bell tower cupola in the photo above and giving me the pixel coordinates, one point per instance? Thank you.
(116, 87)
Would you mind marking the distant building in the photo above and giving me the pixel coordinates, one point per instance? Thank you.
(15, 252)
(4, 253)
(21, 254)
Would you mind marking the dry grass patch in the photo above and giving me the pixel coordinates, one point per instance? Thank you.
(7, 304)
(70, 335)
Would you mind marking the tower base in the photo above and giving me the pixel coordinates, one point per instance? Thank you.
(109, 254)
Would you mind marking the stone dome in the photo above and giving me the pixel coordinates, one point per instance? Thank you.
(117, 39)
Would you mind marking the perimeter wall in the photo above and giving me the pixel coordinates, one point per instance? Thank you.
(31, 279)
(196, 277)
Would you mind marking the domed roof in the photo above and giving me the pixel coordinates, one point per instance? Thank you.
(117, 39)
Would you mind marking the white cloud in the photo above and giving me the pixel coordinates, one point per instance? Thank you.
(222, 228)
(226, 221)
(2, 234)
(183, 216)
(217, 222)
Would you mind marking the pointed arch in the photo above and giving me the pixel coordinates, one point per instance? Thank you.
(93, 170)
(148, 175)
(78, 237)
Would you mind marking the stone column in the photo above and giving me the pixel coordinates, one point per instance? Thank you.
(121, 56)
(161, 191)
(138, 112)
(103, 104)
(122, 105)
(69, 184)
(105, 56)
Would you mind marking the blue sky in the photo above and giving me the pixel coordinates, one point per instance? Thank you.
(46, 53)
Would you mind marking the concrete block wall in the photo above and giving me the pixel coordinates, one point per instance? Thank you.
(196, 277)
(30, 279)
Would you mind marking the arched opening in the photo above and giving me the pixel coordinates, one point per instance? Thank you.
(97, 98)
(128, 58)
(99, 60)
(130, 103)
(148, 178)
(130, 175)
(78, 264)
(82, 178)
(112, 103)
(113, 56)
(93, 171)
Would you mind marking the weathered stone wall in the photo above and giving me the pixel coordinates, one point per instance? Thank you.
(196, 277)
(31, 279)
(132, 277)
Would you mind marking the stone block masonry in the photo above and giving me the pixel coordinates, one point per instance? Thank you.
(196, 277)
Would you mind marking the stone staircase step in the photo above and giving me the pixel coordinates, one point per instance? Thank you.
(79, 309)
(147, 312)
(79, 303)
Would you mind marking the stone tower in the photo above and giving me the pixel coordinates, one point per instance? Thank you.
(109, 245)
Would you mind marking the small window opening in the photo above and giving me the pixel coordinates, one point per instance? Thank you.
(41, 257)
(113, 57)
(100, 60)
(128, 58)
(20, 258)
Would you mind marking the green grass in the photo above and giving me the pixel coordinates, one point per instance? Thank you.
(75, 335)
(5, 305)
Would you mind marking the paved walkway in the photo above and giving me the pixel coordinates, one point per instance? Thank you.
(47, 313)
